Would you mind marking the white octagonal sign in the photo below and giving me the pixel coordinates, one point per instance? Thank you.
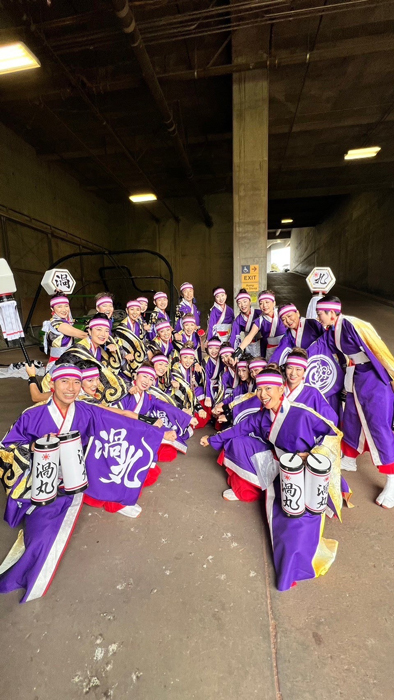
(58, 281)
(321, 279)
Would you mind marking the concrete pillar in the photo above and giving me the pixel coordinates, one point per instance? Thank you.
(250, 162)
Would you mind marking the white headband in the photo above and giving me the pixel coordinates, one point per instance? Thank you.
(243, 295)
(104, 300)
(219, 290)
(59, 300)
(329, 306)
(266, 295)
(269, 380)
(289, 308)
(297, 361)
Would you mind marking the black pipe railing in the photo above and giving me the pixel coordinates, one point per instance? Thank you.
(110, 254)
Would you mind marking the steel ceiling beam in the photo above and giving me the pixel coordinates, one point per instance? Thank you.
(129, 26)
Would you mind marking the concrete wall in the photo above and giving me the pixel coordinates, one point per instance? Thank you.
(43, 191)
(198, 255)
(355, 242)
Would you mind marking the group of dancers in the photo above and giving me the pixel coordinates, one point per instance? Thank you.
(268, 381)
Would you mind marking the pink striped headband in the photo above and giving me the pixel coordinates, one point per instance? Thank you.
(133, 304)
(296, 361)
(162, 325)
(329, 306)
(160, 358)
(187, 352)
(243, 295)
(289, 309)
(143, 300)
(96, 322)
(242, 365)
(59, 300)
(257, 364)
(219, 290)
(104, 300)
(90, 373)
(160, 295)
(227, 350)
(189, 319)
(186, 285)
(147, 370)
(265, 295)
(66, 372)
(269, 380)
(214, 344)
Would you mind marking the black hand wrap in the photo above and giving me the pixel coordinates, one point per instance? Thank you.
(238, 353)
(228, 413)
(147, 419)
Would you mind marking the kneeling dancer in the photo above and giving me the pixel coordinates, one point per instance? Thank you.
(118, 455)
(251, 450)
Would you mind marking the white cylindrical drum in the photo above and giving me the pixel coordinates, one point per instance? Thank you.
(292, 485)
(317, 482)
(45, 470)
(72, 462)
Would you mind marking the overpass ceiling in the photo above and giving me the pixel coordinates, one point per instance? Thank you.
(88, 109)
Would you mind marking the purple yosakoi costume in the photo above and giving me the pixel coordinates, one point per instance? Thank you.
(118, 456)
(307, 332)
(241, 327)
(272, 331)
(186, 307)
(220, 322)
(213, 370)
(325, 370)
(173, 418)
(368, 414)
(299, 551)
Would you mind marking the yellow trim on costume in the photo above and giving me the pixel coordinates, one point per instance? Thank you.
(374, 342)
(325, 553)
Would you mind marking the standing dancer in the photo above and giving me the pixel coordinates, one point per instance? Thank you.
(187, 305)
(59, 331)
(268, 324)
(221, 316)
(368, 414)
(244, 322)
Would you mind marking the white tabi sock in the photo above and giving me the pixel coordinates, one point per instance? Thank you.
(349, 464)
(131, 511)
(229, 495)
(386, 497)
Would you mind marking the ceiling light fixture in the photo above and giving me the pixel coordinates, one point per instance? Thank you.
(137, 198)
(16, 57)
(286, 221)
(358, 153)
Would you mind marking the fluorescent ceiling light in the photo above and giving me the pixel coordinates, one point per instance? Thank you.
(15, 57)
(286, 221)
(358, 153)
(136, 198)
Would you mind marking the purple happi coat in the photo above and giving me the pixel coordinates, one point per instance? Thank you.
(272, 331)
(325, 370)
(248, 452)
(118, 455)
(220, 322)
(187, 307)
(241, 327)
(160, 316)
(213, 370)
(173, 418)
(368, 414)
(307, 332)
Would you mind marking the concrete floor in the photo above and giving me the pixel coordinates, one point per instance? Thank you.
(181, 603)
